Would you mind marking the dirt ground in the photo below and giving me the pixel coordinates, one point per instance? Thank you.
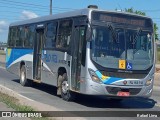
(2, 58)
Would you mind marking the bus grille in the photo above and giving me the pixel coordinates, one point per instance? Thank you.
(124, 75)
(115, 90)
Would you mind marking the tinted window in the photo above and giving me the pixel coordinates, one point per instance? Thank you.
(16, 37)
(64, 34)
(28, 36)
(50, 35)
(19, 36)
(10, 37)
(31, 35)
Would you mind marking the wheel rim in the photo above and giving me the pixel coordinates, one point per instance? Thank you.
(22, 76)
(64, 87)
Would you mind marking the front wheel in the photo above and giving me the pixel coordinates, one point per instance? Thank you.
(66, 94)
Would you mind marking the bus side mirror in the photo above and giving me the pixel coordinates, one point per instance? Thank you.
(89, 34)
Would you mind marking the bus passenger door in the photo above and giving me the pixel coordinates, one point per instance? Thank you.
(37, 53)
(76, 57)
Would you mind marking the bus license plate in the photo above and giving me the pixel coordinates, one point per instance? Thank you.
(120, 93)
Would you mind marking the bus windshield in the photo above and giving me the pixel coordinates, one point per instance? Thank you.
(111, 45)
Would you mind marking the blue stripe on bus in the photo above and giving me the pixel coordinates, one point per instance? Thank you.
(15, 54)
(111, 80)
(108, 79)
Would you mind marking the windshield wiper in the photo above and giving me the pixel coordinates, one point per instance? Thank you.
(114, 35)
(137, 35)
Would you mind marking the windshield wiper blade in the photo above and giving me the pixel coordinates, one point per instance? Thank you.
(137, 35)
(114, 35)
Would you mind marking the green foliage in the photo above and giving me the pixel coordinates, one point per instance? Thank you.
(155, 31)
(131, 10)
(12, 102)
(2, 52)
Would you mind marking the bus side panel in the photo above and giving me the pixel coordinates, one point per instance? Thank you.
(15, 57)
(48, 74)
(9, 59)
(29, 69)
(52, 61)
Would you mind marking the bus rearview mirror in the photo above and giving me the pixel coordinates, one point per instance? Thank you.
(89, 34)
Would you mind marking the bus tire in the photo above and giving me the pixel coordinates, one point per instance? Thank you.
(66, 94)
(23, 79)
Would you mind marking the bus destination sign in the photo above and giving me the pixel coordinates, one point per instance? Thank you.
(122, 19)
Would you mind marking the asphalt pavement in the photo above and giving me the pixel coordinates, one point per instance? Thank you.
(46, 99)
(47, 95)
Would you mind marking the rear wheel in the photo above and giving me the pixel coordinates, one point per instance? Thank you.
(66, 94)
(23, 79)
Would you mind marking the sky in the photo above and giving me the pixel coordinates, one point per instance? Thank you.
(15, 10)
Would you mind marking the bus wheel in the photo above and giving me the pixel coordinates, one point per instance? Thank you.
(65, 92)
(23, 79)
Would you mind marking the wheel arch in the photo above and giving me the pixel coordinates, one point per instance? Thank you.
(61, 71)
(22, 63)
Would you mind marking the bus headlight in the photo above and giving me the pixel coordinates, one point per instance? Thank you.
(94, 77)
(148, 82)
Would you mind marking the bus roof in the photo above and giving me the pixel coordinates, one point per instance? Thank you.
(80, 12)
(52, 17)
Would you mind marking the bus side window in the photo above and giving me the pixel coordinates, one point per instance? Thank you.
(18, 42)
(10, 38)
(64, 34)
(26, 37)
(19, 36)
(31, 35)
(50, 35)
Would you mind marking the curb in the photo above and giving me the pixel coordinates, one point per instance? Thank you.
(34, 104)
(27, 101)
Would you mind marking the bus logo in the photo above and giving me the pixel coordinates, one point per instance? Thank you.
(125, 82)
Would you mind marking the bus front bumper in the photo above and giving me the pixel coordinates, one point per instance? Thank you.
(112, 90)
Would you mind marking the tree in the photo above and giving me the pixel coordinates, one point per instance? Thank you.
(131, 10)
(155, 31)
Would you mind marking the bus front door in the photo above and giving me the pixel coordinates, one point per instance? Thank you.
(37, 53)
(76, 57)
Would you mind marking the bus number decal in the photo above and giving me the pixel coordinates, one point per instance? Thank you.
(51, 58)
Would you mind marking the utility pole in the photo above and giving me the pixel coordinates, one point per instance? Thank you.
(50, 7)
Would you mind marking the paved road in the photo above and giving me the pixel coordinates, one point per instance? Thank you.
(47, 94)
(2, 64)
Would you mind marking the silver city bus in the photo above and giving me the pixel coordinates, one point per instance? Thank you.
(88, 51)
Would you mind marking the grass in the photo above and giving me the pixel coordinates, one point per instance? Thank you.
(12, 102)
(2, 52)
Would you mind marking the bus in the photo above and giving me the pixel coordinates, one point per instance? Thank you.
(87, 51)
